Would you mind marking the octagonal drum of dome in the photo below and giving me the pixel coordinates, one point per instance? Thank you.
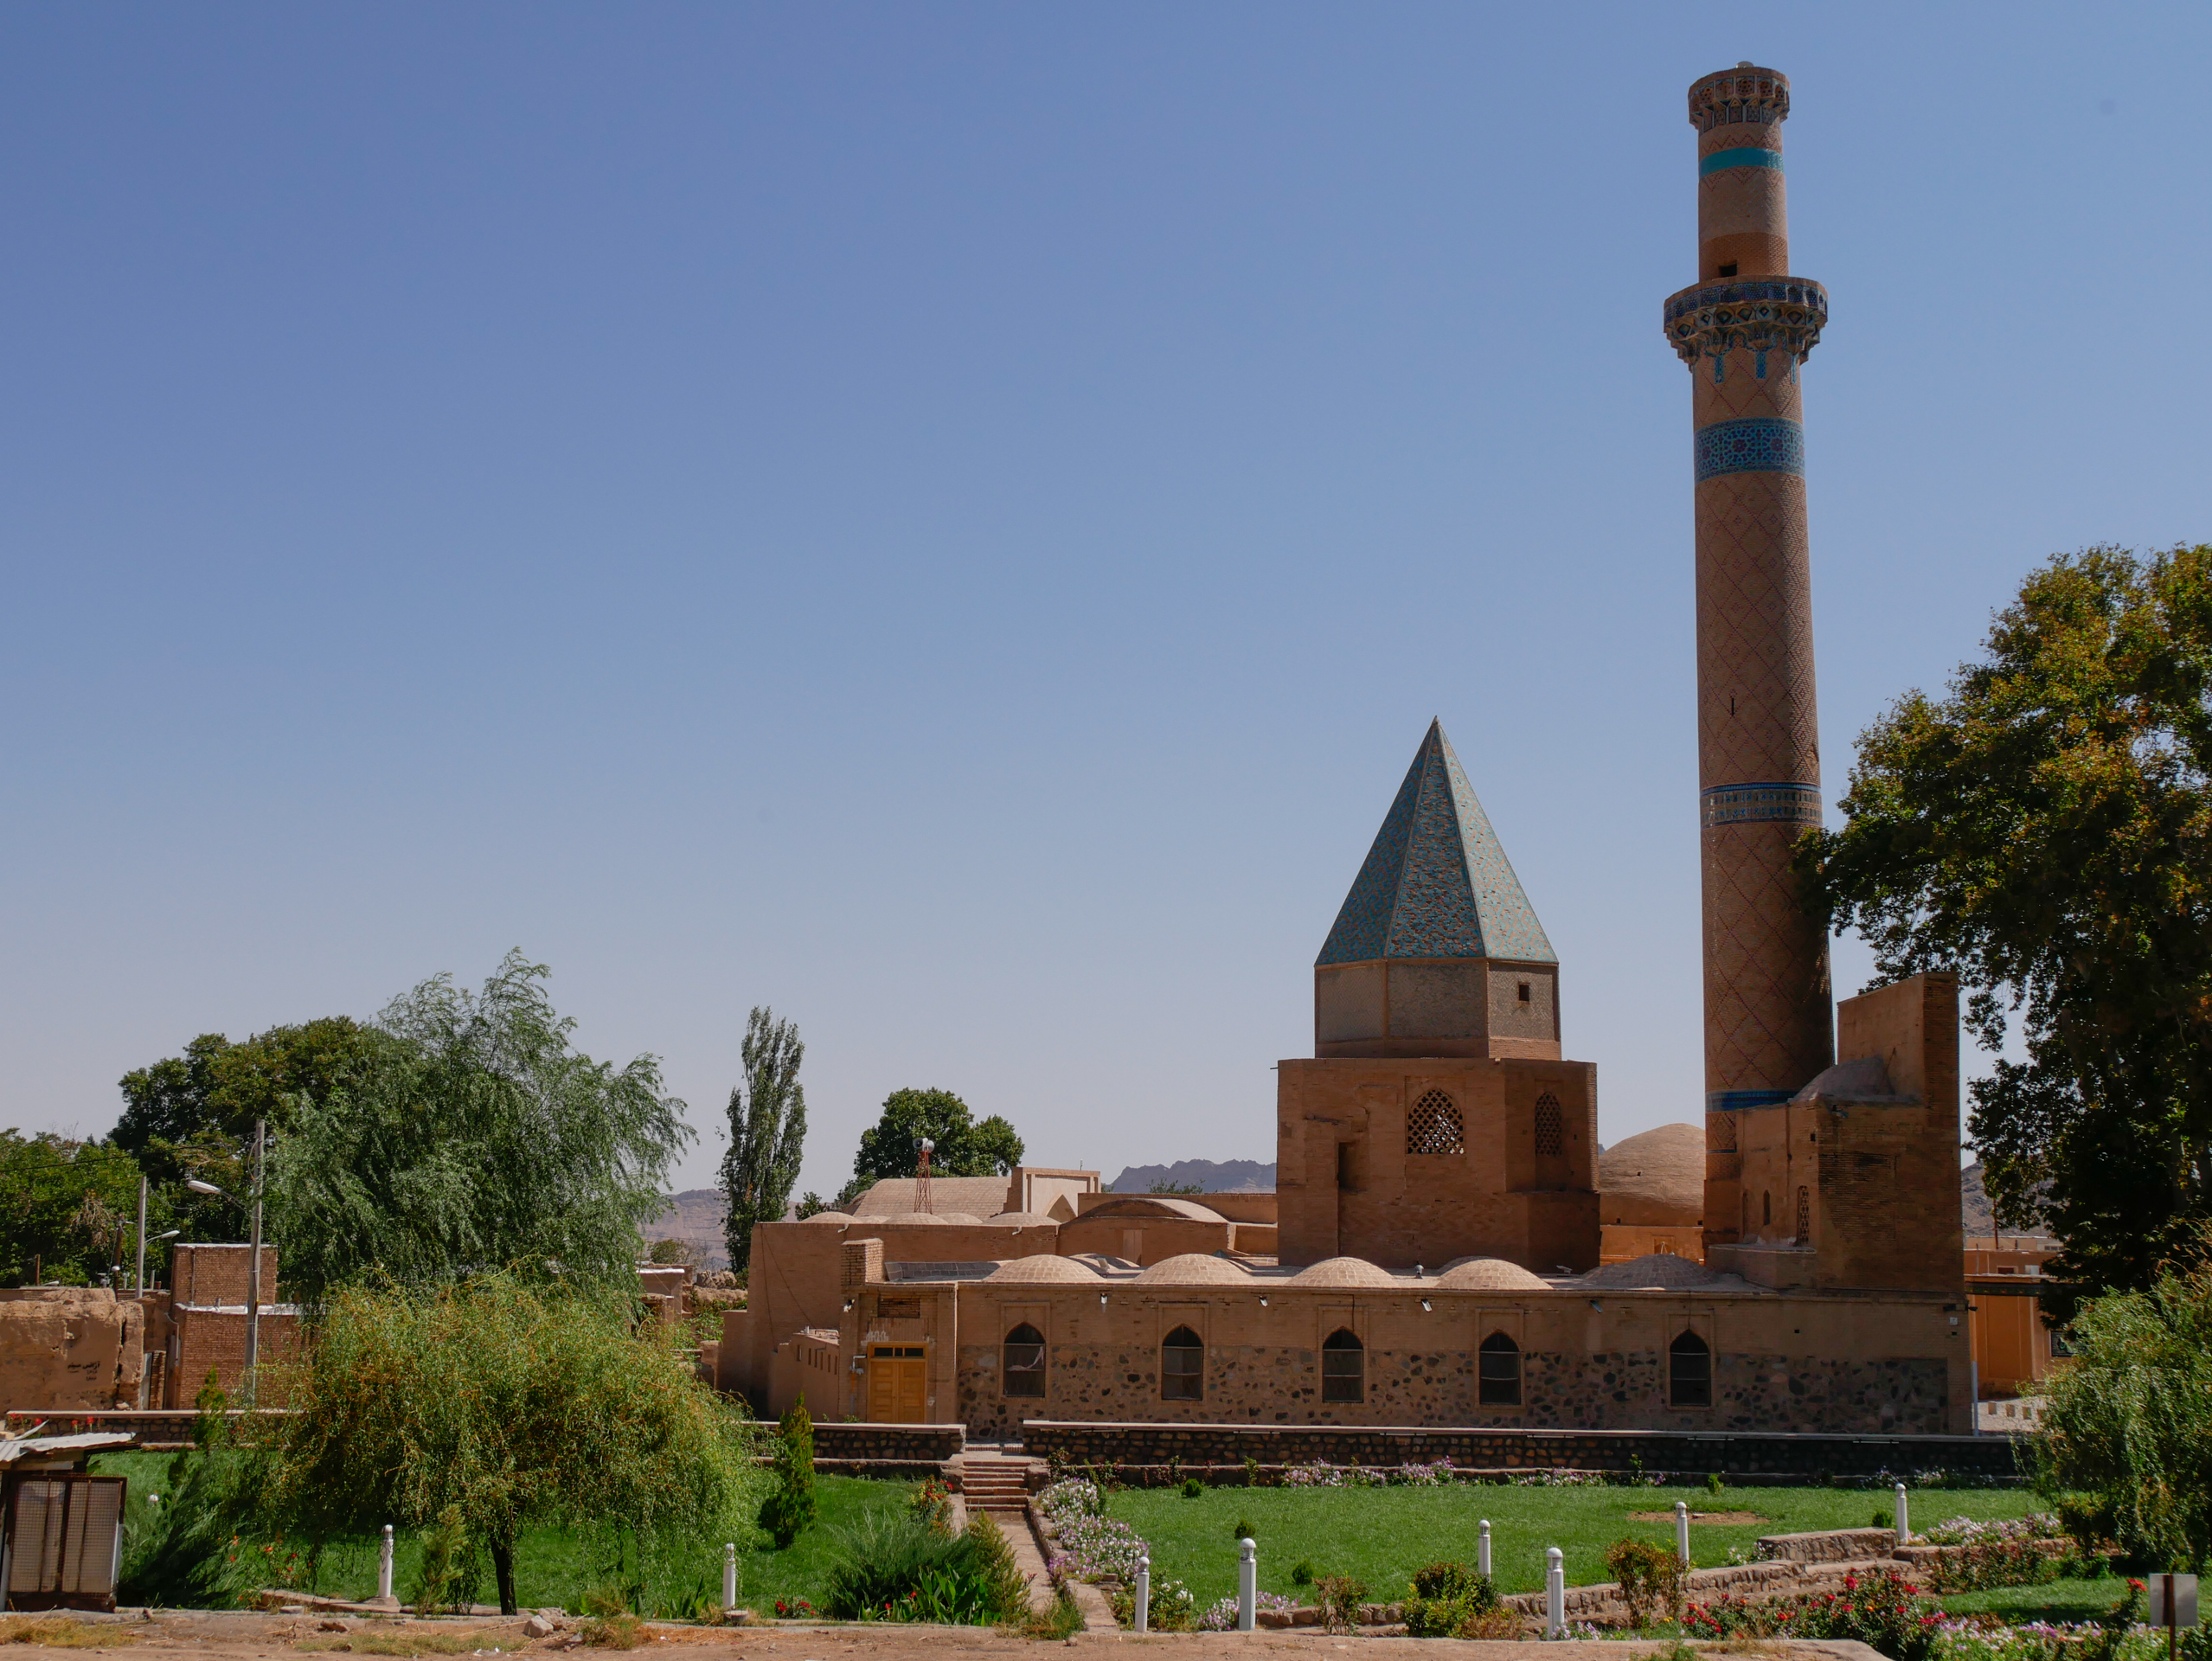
(1041, 1269)
(1193, 1269)
(1489, 1274)
(1659, 1271)
(1345, 1271)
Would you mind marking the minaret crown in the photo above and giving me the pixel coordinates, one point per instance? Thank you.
(1745, 92)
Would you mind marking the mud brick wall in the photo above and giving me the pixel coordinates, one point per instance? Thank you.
(915, 1445)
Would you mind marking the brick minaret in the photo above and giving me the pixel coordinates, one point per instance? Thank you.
(1744, 329)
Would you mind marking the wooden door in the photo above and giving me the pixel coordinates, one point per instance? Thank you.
(897, 1384)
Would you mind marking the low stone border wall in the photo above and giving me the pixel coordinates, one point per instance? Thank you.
(1219, 1451)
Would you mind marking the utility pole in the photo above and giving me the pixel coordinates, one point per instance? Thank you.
(253, 1265)
(141, 1236)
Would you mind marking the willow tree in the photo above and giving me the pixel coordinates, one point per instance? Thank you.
(479, 1138)
(2045, 830)
(495, 1407)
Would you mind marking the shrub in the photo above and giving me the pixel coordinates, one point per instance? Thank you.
(1193, 1489)
(1985, 1554)
(1713, 1485)
(2129, 1420)
(1883, 1518)
(1882, 1610)
(1451, 1600)
(1302, 1572)
(1650, 1576)
(1243, 1529)
(792, 1508)
(1341, 1597)
(898, 1567)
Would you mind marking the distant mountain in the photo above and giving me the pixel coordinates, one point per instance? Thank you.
(1974, 1209)
(1213, 1177)
(694, 1217)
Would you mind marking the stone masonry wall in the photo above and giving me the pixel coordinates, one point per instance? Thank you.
(1736, 1454)
(1281, 1385)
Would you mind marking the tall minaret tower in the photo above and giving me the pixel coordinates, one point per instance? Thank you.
(1744, 330)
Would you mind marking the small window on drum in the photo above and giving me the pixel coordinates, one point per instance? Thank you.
(1022, 1371)
(1435, 1126)
(1689, 1372)
(1344, 1368)
(1182, 1367)
(1498, 1378)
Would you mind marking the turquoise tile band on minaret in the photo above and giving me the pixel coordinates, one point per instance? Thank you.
(1751, 156)
(1760, 444)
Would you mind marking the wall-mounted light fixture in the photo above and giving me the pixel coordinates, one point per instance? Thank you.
(1102, 1298)
(1595, 1305)
(1425, 1306)
(1263, 1300)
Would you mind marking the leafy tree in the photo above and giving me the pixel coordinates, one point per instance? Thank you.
(69, 1207)
(767, 1132)
(1166, 1187)
(891, 1146)
(479, 1139)
(2045, 830)
(498, 1406)
(2129, 1420)
(791, 1509)
(215, 1090)
(811, 1204)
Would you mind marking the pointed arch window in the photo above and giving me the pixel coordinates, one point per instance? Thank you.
(1183, 1366)
(1022, 1371)
(1435, 1126)
(1498, 1372)
(1689, 1372)
(1343, 1367)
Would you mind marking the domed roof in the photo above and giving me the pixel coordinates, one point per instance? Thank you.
(1490, 1274)
(1024, 1219)
(958, 1216)
(1343, 1272)
(1655, 1177)
(1192, 1268)
(1044, 1266)
(1661, 1270)
(829, 1216)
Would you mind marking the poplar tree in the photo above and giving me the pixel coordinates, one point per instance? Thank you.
(767, 1133)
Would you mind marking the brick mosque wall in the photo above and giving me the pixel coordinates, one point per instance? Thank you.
(1624, 1390)
(1138, 1448)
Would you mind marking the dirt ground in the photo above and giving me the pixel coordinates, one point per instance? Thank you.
(228, 1636)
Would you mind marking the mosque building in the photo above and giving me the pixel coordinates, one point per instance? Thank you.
(1445, 1245)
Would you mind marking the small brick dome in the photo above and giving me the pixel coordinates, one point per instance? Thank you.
(1191, 1268)
(829, 1216)
(1490, 1274)
(1042, 1268)
(1345, 1271)
(1023, 1220)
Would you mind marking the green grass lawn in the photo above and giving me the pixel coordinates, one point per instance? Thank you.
(2066, 1601)
(553, 1569)
(1383, 1534)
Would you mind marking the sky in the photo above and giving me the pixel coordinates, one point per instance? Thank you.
(951, 522)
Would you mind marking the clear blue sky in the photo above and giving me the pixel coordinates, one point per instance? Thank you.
(951, 521)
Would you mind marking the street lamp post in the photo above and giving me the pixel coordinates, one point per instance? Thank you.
(253, 1258)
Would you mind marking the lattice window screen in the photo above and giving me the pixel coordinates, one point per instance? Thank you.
(1435, 1126)
(1804, 1216)
(1551, 1126)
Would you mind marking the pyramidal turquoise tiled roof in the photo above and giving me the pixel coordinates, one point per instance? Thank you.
(1436, 884)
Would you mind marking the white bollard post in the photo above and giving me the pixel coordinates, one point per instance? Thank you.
(1681, 1531)
(1482, 1551)
(1554, 1592)
(1143, 1595)
(729, 1575)
(1904, 1528)
(1248, 1583)
(384, 1567)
